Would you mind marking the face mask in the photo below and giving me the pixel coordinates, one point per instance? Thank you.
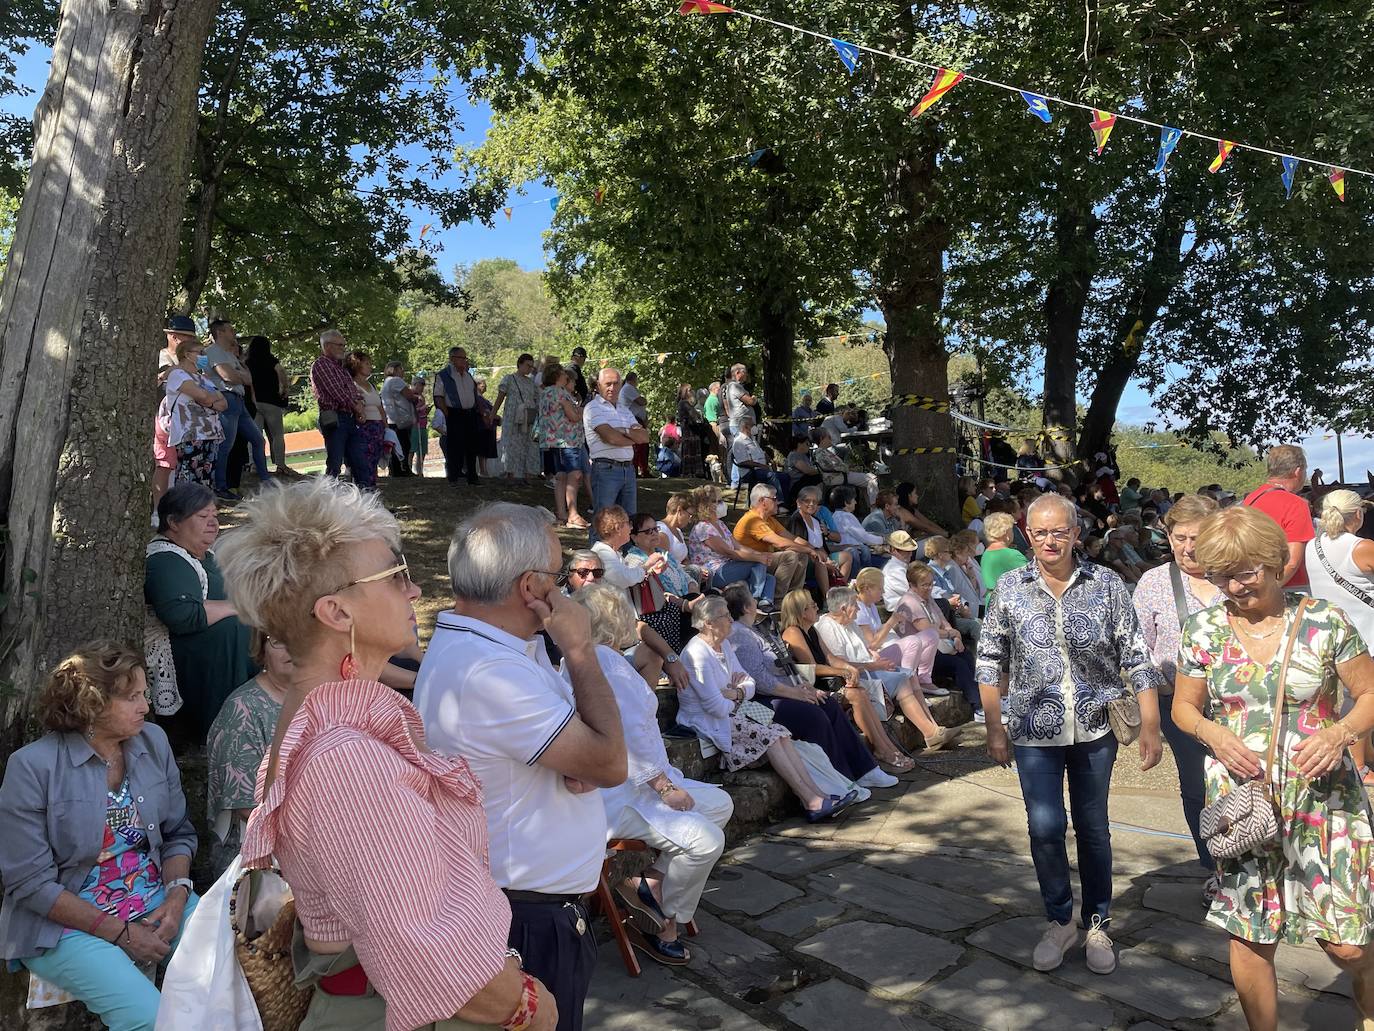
(721, 509)
(203, 362)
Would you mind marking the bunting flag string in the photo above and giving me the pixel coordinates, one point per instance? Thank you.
(1102, 124)
(849, 54)
(1290, 171)
(1168, 140)
(1102, 121)
(1337, 179)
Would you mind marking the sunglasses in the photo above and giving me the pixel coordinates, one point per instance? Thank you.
(587, 574)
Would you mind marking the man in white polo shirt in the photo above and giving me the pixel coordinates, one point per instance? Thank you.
(612, 433)
(539, 743)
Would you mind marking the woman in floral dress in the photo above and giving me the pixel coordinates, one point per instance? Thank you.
(1313, 882)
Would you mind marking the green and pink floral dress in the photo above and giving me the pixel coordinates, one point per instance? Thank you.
(1314, 883)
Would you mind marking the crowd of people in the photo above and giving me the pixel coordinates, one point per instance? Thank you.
(478, 779)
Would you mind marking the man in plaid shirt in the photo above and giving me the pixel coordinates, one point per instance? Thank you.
(340, 405)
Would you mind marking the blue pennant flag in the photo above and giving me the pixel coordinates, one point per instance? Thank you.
(1038, 106)
(755, 157)
(553, 203)
(848, 52)
(1290, 169)
(1168, 140)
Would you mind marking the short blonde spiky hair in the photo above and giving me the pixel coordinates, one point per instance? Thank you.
(1237, 538)
(296, 545)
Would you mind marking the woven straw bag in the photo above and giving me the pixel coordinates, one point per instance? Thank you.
(266, 958)
(1246, 817)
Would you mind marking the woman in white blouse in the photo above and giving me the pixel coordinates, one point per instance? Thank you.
(841, 639)
(911, 650)
(613, 530)
(714, 705)
(679, 514)
(682, 819)
(844, 499)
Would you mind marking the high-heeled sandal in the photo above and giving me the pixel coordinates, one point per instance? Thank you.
(899, 762)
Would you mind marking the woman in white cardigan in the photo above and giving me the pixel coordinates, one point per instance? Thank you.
(682, 819)
(711, 706)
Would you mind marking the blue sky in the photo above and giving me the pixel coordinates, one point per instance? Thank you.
(521, 239)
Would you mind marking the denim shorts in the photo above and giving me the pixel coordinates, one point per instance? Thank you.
(571, 460)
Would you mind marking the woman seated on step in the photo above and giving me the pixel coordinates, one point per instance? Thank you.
(682, 820)
(808, 714)
(893, 638)
(717, 706)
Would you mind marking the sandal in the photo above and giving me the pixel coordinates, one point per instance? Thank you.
(899, 762)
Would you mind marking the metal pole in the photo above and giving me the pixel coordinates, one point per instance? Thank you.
(1340, 458)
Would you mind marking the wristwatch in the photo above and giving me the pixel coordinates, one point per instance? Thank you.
(671, 657)
(181, 882)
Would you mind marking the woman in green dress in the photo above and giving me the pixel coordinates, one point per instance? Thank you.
(185, 591)
(1313, 881)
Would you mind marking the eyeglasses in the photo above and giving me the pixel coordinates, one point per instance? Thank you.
(647, 529)
(1244, 577)
(1060, 535)
(401, 572)
(560, 578)
(588, 574)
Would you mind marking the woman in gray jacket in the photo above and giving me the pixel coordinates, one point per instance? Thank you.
(96, 854)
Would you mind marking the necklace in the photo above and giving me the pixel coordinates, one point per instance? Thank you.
(1257, 637)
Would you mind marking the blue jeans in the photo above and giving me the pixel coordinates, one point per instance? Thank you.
(1089, 769)
(755, 574)
(343, 443)
(235, 420)
(612, 484)
(1192, 781)
(104, 978)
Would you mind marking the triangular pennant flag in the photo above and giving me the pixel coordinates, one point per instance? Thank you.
(757, 156)
(423, 230)
(553, 202)
(661, 356)
(507, 211)
(1224, 148)
(945, 80)
(600, 194)
(1168, 140)
(704, 7)
(1038, 106)
(1290, 170)
(848, 52)
(1102, 124)
(1337, 179)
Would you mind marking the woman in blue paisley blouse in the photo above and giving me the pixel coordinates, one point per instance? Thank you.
(1060, 681)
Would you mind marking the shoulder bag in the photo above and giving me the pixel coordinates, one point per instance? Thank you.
(1246, 817)
(1180, 595)
(1342, 581)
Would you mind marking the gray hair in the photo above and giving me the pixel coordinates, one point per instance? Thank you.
(712, 606)
(182, 501)
(613, 621)
(492, 547)
(1048, 501)
(737, 367)
(810, 493)
(841, 598)
(330, 335)
(761, 491)
(586, 555)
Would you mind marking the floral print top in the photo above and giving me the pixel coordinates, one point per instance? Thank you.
(1065, 657)
(125, 881)
(698, 554)
(553, 427)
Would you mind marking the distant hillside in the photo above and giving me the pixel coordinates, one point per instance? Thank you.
(1159, 461)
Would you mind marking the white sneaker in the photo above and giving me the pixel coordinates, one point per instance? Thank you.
(1057, 940)
(980, 716)
(876, 778)
(1101, 955)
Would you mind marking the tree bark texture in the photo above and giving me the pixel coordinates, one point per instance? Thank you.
(777, 334)
(1140, 309)
(81, 309)
(910, 294)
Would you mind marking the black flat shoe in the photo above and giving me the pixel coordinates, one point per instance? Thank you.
(670, 954)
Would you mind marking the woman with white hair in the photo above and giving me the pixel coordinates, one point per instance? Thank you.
(383, 842)
(682, 819)
(717, 706)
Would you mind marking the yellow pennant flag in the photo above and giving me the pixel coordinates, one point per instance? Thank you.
(1224, 148)
(945, 80)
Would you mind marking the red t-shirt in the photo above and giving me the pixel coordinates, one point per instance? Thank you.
(1292, 514)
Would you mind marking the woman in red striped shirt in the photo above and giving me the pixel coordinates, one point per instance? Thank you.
(383, 842)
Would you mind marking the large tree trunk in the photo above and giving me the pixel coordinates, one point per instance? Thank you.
(910, 295)
(777, 333)
(1139, 311)
(80, 318)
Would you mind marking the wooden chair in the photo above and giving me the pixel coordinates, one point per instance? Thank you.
(607, 905)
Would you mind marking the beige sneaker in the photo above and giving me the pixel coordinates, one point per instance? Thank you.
(1101, 955)
(1057, 940)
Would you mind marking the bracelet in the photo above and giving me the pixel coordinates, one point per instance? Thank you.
(123, 934)
(665, 792)
(1350, 736)
(1197, 726)
(527, 1007)
(97, 922)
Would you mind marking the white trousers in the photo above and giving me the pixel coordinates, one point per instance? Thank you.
(685, 865)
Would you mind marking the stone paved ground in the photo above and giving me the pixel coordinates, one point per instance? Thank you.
(919, 911)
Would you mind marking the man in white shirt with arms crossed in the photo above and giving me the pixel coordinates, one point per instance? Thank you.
(612, 433)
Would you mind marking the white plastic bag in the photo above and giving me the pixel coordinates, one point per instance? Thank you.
(204, 988)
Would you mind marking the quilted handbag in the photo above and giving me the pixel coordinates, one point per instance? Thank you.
(1123, 716)
(1246, 818)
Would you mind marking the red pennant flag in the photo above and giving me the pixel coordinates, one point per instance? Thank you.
(423, 230)
(945, 80)
(1102, 124)
(1337, 178)
(1224, 148)
(600, 193)
(507, 211)
(704, 7)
